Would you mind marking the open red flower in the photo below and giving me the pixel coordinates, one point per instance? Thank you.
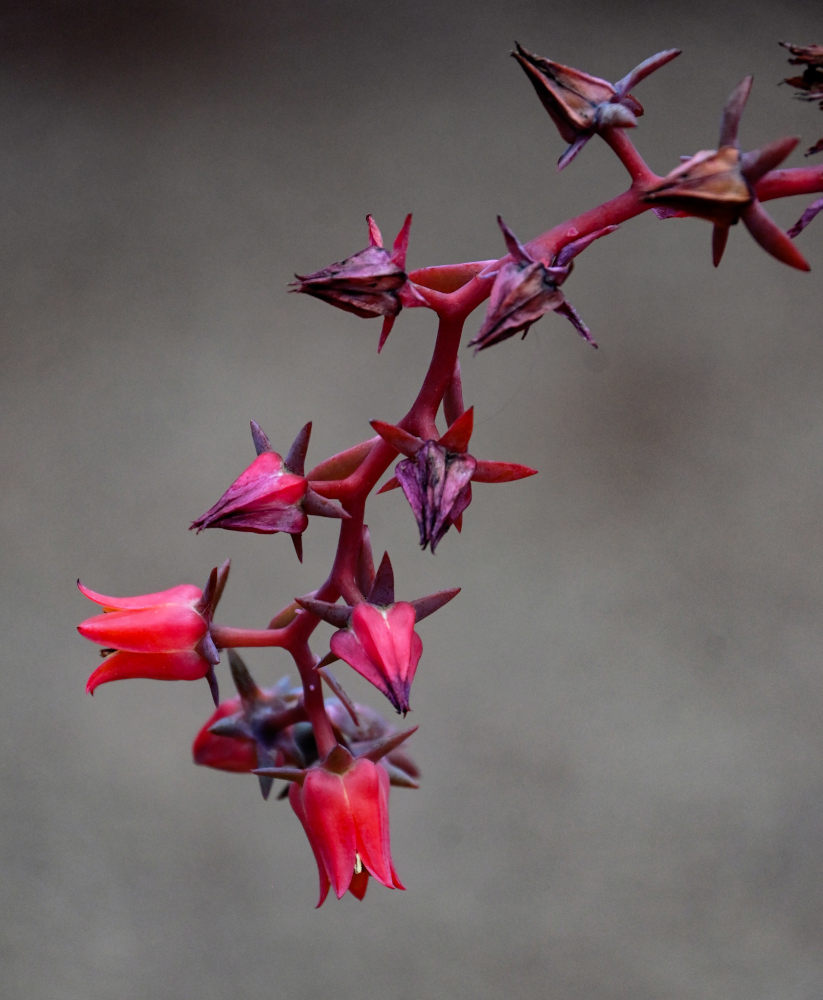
(161, 636)
(343, 805)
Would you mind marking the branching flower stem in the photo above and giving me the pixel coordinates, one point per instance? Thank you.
(341, 795)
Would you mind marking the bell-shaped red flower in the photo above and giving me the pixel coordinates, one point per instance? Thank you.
(343, 805)
(437, 475)
(382, 646)
(372, 282)
(376, 636)
(272, 494)
(162, 636)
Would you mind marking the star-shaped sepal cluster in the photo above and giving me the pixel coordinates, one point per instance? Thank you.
(377, 636)
(436, 475)
(720, 185)
(261, 728)
(525, 289)
(272, 495)
(581, 105)
(372, 282)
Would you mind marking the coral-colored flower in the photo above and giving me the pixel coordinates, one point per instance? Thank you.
(343, 805)
(162, 636)
(226, 753)
(526, 289)
(382, 646)
(719, 185)
(581, 105)
(372, 282)
(271, 495)
(436, 476)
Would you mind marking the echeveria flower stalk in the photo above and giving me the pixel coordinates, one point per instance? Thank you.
(340, 757)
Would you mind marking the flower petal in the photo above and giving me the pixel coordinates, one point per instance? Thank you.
(153, 666)
(163, 629)
(184, 593)
(328, 815)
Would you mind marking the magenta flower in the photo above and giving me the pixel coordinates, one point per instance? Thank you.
(376, 636)
(437, 475)
(581, 105)
(372, 282)
(526, 289)
(719, 185)
(162, 636)
(343, 805)
(272, 494)
(382, 646)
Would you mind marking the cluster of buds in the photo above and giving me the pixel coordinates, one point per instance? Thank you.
(342, 798)
(337, 757)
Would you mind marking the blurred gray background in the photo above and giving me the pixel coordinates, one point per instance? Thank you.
(620, 716)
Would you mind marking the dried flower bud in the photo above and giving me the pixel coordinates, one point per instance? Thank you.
(581, 105)
(370, 283)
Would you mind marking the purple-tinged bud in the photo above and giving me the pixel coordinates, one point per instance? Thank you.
(526, 289)
(271, 495)
(372, 282)
(437, 484)
(581, 105)
(719, 185)
(436, 475)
